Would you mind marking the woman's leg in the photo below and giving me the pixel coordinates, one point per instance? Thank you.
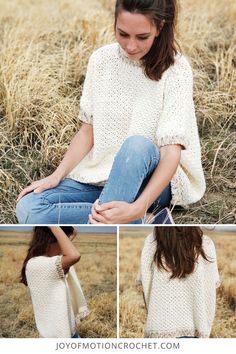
(69, 203)
(133, 166)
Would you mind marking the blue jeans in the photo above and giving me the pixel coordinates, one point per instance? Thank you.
(76, 335)
(71, 201)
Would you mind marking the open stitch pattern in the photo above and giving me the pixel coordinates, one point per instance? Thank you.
(120, 101)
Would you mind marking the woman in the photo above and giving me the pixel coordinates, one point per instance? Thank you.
(179, 276)
(138, 146)
(58, 300)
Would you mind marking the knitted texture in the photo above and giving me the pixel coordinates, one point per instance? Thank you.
(120, 101)
(51, 298)
(179, 307)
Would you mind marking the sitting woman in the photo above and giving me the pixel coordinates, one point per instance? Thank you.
(138, 147)
(179, 276)
(57, 297)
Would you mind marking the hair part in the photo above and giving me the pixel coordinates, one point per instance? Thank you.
(178, 248)
(42, 238)
(164, 15)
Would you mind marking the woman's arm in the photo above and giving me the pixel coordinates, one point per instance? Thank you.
(70, 255)
(117, 212)
(80, 145)
(161, 177)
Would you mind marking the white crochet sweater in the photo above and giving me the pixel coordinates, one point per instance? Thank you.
(58, 300)
(120, 101)
(179, 307)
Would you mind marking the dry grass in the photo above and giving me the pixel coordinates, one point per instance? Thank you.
(98, 280)
(44, 51)
(132, 310)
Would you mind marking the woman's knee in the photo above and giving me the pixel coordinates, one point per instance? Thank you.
(27, 206)
(139, 145)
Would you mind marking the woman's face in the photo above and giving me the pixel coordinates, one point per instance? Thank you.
(135, 33)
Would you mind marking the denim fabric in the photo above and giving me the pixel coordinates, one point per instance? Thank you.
(71, 201)
(76, 335)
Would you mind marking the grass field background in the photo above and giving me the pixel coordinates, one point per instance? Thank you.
(45, 46)
(96, 271)
(132, 310)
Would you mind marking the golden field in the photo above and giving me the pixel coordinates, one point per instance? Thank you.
(96, 271)
(132, 310)
(45, 46)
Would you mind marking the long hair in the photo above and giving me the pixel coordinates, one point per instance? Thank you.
(42, 237)
(178, 248)
(162, 12)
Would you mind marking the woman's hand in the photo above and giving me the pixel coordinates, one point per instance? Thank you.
(117, 212)
(40, 185)
(80, 145)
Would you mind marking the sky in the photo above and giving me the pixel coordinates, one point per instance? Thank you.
(88, 228)
(112, 229)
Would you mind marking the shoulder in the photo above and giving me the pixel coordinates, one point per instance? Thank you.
(42, 262)
(149, 239)
(149, 243)
(43, 267)
(181, 69)
(208, 246)
(207, 241)
(105, 53)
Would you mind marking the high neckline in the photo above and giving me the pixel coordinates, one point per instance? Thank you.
(124, 56)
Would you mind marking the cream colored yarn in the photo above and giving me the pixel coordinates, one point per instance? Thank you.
(179, 307)
(120, 101)
(57, 304)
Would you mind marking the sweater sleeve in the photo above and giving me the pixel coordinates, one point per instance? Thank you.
(146, 267)
(86, 100)
(215, 271)
(178, 107)
(210, 250)
(45, 268)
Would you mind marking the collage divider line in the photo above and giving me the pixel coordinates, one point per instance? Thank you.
(118, 282)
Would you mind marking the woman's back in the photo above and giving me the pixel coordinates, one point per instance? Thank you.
(179, 306)
(50, 297)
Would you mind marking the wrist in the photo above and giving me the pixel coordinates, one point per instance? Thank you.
(58, 175)
(138, 210)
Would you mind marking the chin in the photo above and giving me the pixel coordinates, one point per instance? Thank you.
(134, 57)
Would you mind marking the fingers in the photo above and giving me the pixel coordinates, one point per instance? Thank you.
(95, 216)
(25, 191)
(92, 221)
(42, 188)
(36, 186)
(104, 206)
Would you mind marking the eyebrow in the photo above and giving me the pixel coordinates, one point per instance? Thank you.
(139, 34)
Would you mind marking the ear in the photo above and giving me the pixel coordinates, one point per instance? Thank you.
(161, 26)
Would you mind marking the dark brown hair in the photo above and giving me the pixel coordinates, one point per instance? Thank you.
(178, 248)
(42, 237)
(161, 55)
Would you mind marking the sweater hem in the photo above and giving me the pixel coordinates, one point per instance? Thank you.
(173, 140)
(82, 314)
(176, 334)
(85, 118)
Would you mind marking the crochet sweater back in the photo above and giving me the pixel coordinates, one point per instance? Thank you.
(52, 305)
(179, 307)
(120, 101)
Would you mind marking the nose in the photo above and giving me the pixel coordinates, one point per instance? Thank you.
(131, 46)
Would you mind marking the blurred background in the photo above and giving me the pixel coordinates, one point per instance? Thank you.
(45, 46)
